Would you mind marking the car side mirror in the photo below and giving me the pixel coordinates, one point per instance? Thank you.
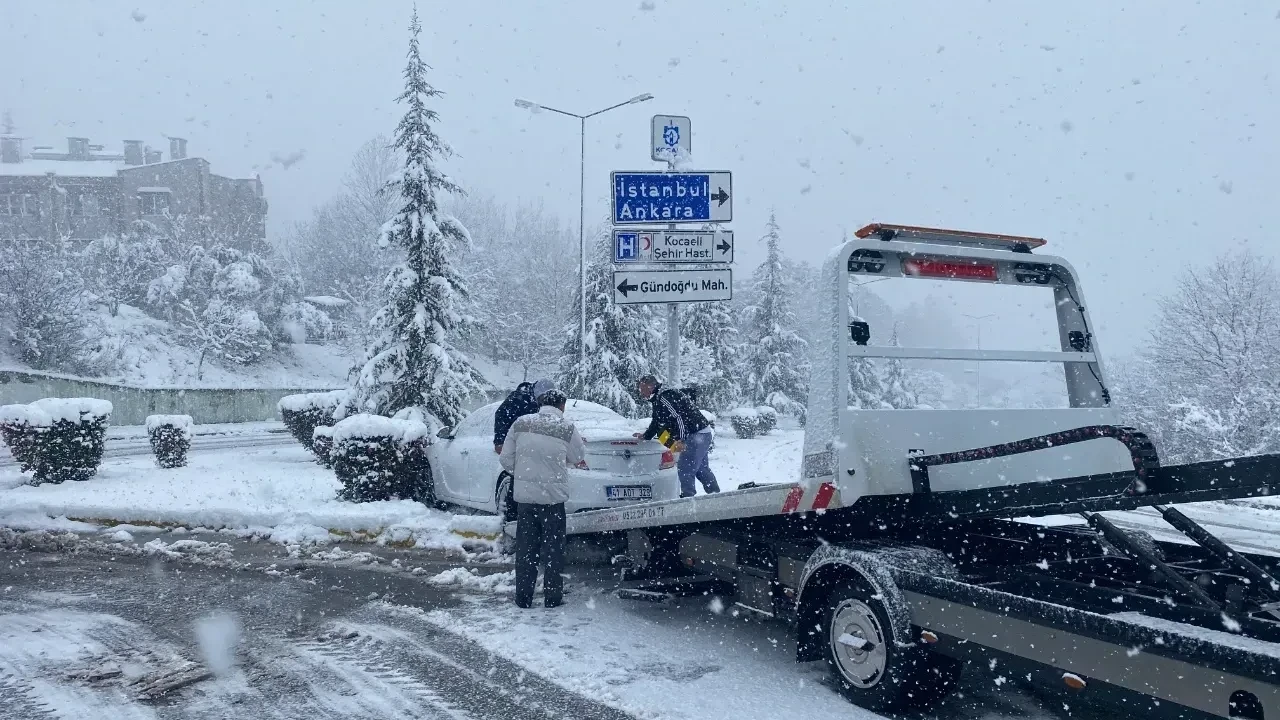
(445, 433)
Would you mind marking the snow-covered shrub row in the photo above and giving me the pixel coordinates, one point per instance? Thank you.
(379, 458)
(304, 412)
(19, 425)
(749, 422)
(59, 438)
(170, 439)
(767, 418)
(322, 445)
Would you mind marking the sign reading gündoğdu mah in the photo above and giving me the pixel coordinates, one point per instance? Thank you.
(649, 197)
(637, 287)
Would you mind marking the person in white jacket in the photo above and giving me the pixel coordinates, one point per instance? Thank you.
(538, 452)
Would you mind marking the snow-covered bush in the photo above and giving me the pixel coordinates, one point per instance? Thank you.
(380, 458)
(72, 437)
(224, 302)
(302, 321)
(304, 412)
(767, 418)
(170, 439)
(19, 426)
(42, 301)
(746, 422)
(117, 269)
(322, 444)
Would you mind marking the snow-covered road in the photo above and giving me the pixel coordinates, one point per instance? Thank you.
(148, 640)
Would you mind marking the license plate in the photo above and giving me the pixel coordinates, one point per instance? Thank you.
(628, 492)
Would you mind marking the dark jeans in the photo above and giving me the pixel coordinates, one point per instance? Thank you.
(539, 541)
(693, 465)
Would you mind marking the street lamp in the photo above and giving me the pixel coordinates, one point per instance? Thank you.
(582, 203)
(857, 295)
(977, 320)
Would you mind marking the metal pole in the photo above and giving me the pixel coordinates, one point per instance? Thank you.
(673, 344)
(582, 243)
(673, 333)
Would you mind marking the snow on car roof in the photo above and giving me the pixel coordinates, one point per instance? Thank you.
(590, 418)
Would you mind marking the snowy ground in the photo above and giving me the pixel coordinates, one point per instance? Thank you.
(277, 492)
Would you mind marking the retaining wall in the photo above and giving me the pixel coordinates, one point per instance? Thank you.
(133, 404)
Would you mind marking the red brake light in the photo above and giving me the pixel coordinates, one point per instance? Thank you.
(951, 270)
(668, 460)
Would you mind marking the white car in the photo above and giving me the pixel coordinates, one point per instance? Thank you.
(621, 469)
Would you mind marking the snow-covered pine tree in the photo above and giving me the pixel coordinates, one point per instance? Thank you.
(777, 369)
(898, 388)
(411, 359)
(622, 342)
(709, 350)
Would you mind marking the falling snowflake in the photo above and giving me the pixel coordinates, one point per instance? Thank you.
(647, 5)
(1066, 126)
(137, 16)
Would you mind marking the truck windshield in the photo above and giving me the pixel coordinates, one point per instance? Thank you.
(944, 314)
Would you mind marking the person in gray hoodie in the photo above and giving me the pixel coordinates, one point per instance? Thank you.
(538, 452)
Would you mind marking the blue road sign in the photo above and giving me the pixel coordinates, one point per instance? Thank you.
(626, 246)
(685, 197)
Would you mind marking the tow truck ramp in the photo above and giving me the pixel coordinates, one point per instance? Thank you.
(895, 554)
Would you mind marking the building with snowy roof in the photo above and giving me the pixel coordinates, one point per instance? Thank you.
(87, 192)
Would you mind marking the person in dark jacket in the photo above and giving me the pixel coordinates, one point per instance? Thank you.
(522, 401)
(683, 428)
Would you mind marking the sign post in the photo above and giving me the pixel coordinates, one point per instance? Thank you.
(641, 287)
(672, 246)
(684, 197)
(671, 198)
(669, 137)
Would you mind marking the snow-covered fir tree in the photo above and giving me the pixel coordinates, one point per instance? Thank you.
(411, 360)
(899, 390)
(622, 342)
(709, 350)
(777, 369)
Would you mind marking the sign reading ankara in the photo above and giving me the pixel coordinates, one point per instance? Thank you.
(692, 197)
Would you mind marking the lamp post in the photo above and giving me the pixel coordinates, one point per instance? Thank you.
(977, 320)
(582, 204)
(857, 295)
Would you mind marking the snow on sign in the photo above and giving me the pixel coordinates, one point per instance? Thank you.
(637, 287)
(649, 197)
(670, 137)
(673, 246)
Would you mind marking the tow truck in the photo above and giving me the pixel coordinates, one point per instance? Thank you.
(901, 552)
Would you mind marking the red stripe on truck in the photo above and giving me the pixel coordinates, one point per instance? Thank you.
(792, 503)
(825, 492)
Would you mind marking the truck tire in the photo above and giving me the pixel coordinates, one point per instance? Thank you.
(869, 665)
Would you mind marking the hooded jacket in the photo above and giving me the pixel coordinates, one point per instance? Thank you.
(538, 452)
(676, 414)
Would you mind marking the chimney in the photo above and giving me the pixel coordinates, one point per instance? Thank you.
(177, 148)
(133, 152)
(77, 148)
(151, 157)
(10, 149)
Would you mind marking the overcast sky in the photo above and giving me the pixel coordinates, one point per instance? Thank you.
(1136, 136)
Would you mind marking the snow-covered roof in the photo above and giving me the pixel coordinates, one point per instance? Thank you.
(154, 189)
(61, 168)
(326, 300)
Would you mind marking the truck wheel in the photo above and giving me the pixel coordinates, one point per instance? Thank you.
(506, 502)
(867, 663)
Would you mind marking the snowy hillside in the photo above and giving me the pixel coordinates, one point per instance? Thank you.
(140, 351)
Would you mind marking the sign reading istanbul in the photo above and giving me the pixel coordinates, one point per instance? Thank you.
(683, 197)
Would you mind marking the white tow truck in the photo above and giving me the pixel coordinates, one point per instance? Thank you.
(895, 555)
